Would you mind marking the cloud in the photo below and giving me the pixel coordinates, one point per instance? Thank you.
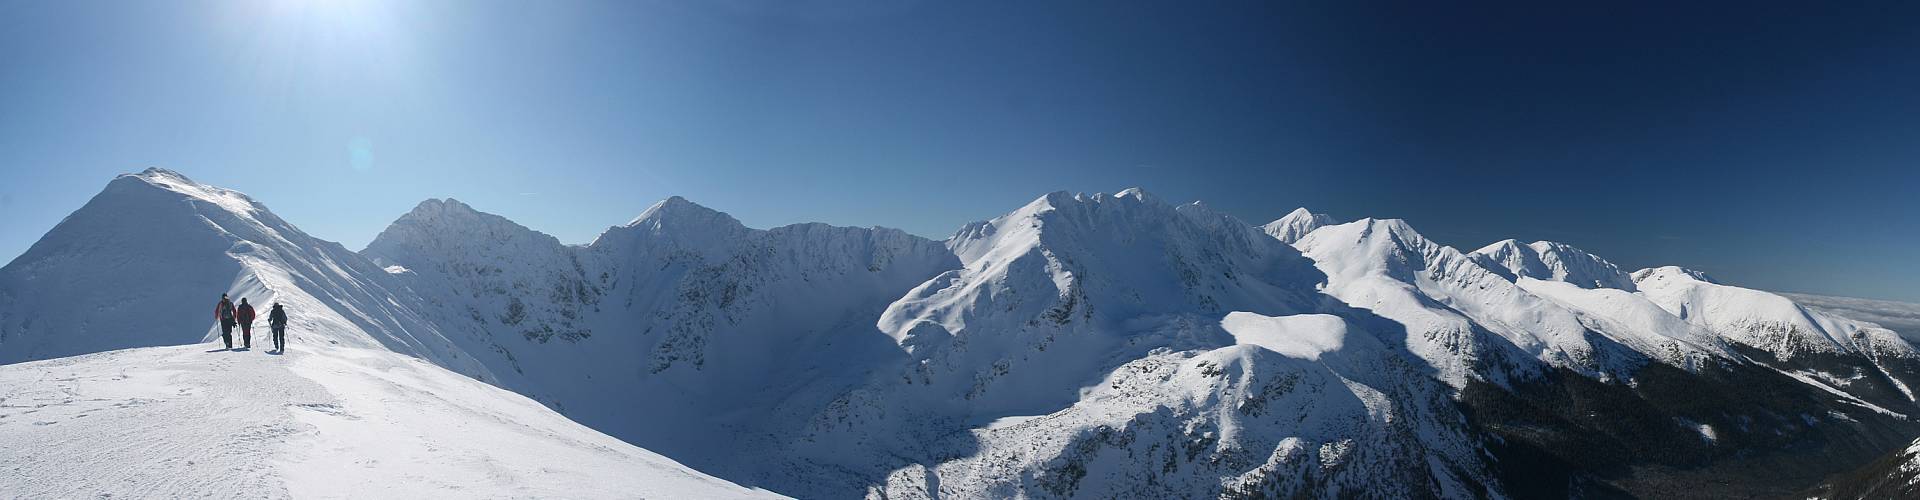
(1901, 317)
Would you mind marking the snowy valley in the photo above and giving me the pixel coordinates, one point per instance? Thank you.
(1079, 346)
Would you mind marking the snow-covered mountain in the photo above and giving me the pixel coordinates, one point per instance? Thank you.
(1297, 406)
(682, 330)
(362, 404)
(1104, 345)
(1858, 358)
(123, 271)
(1119, 346)
(1296, 224)
(1470, 322)
(1067, 276)
(1547, 260)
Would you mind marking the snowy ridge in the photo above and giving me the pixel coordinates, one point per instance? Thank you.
(1463, 319)
(1861, 358)
(1636, 322)
(680, 304)
(1040, 288)
(679, 223)
(1548, 305)
(185, 241)
(526, 281)
(1552, 261)
(1224, 401)
(1750, 317)
(1042, 353)
(354, 409)
(322, 421)
(1296, 224)
(1334, 416)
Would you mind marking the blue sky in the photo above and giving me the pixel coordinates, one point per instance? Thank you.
(1769, 146)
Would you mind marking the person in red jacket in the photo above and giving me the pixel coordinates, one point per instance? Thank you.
(223, 313)
(245, 315)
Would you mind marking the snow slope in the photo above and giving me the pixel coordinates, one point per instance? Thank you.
(1081, 345)
(1120, 346)
(1860, 358)
(1020, 318)
(1547, 260)
(683, 330)
(530, 280)
(1548, 305)
(1296, 224)
(1068, 285)
(143, 263)
(1752, 317)
(1464, 320)
(1641, 324)
(1053, 332)
(1523, 319)
(320, 421)
(1299, 406)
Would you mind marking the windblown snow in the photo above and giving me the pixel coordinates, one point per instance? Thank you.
(1304, 336)
(320, 421)
(1082, 345)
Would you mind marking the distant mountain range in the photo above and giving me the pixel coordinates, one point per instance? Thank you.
(1098, 346)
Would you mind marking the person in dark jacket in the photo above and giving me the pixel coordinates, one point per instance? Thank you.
(245, 315)
(223, 312)
(277, 320)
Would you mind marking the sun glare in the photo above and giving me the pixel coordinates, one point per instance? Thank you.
(291, 44)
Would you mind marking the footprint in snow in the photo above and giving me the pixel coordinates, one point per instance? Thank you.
(133, 402)
(325, 408)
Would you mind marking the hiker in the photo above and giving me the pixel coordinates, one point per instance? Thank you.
(277, 320)
(245, 315)
(223, 312)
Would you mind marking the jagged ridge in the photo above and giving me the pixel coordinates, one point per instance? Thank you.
(1073, 328)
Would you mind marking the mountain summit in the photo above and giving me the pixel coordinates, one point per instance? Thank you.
(1296, 225)
(1552, 261)
(92, 325)
(123, 270)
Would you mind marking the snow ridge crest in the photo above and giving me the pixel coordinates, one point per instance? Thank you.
(1552, 261)
(1296, 224)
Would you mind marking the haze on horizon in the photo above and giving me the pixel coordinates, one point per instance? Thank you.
(1768, 146)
